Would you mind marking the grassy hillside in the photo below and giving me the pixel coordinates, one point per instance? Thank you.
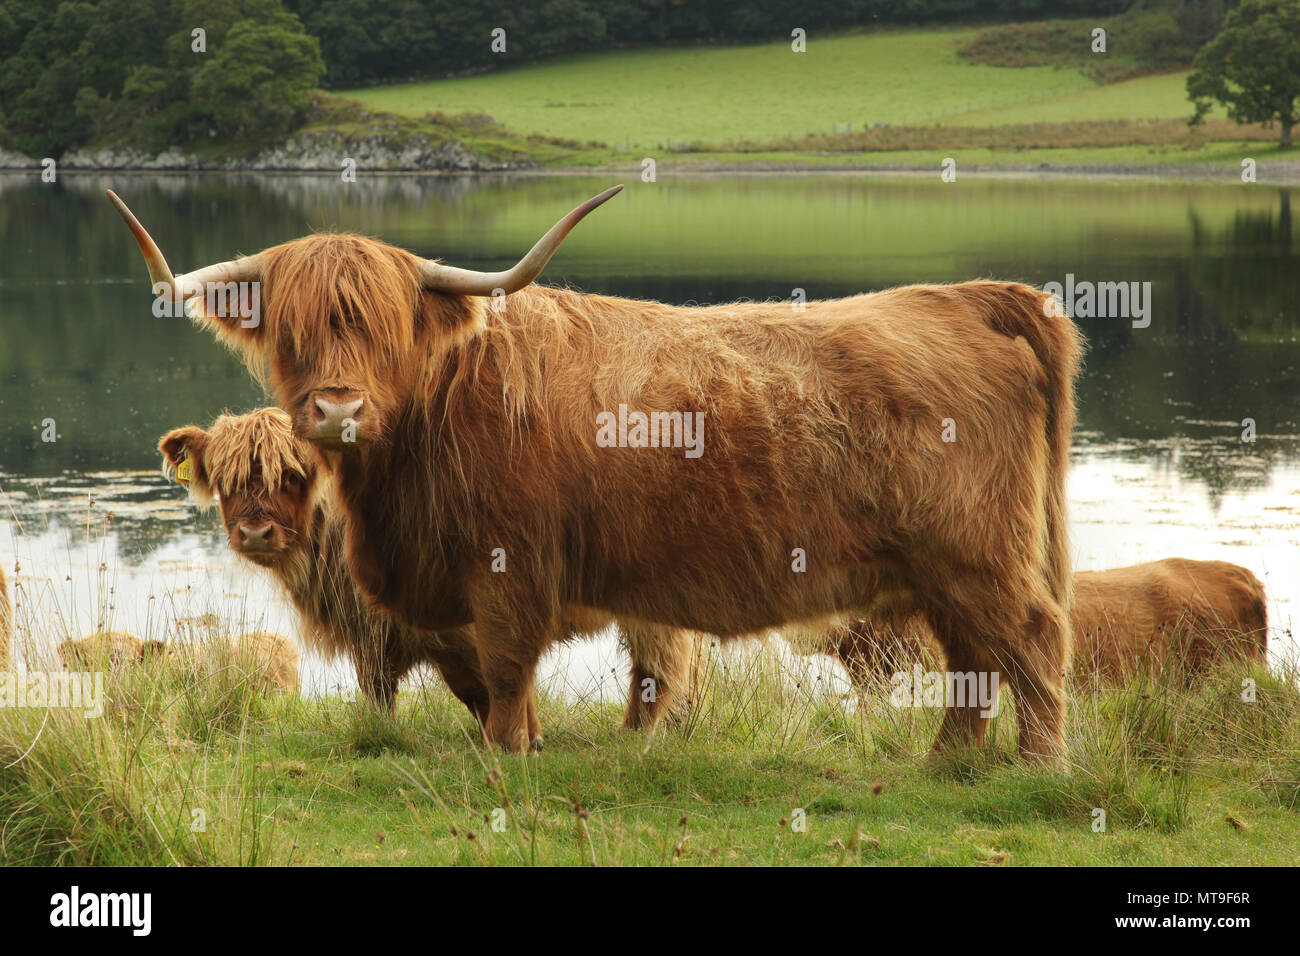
(647, 98)
(664, 99)
(1163, 96)
(192, 770)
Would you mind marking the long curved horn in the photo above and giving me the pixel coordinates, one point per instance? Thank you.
(190, 284)
(441, 278)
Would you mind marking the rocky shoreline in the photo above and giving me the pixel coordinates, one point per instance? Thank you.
(310, 153)
(326, 152)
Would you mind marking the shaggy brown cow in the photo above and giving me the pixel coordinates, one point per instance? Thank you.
(274, 501)
(801, 463)
(1192, 615)
(112, 649)
(1174, 613)
(270, 659)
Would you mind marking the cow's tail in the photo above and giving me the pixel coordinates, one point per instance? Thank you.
(1256, 618)
(1022, 311)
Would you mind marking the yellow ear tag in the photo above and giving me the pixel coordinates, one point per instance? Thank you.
(185, 471)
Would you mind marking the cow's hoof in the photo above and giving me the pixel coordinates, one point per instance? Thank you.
(536, 745)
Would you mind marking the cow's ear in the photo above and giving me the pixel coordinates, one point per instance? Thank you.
(182, 450)
(454, 318)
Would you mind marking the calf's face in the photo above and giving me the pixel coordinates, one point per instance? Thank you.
(262, 477)
(264, 524)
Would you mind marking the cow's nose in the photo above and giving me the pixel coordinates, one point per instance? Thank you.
(333, 415)
(255, 537)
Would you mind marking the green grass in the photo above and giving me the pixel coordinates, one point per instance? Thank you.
(1184, 777)
(647, 99)
(1228, 153)
(669, 99)
(1147, 97)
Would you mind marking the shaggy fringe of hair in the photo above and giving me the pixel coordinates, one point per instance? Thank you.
(237, 445)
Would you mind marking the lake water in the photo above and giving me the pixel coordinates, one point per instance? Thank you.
(1159, 465)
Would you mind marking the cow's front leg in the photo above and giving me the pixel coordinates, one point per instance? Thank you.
(378, 674)
(456, 658)
(509, 647)
(510, 690)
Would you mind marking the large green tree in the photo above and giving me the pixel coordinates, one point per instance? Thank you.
(126, 72)
(1253, 66)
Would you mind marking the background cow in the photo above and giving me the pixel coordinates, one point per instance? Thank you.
(111, 649)
(275, 505)
(900, 450)
(1177, 614)
(271, 661)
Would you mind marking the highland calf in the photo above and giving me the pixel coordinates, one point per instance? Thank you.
(903, 450)
(275, 502)
(1190, 616)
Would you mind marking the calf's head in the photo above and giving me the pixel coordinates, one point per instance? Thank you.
(348, 329)
(264, 478)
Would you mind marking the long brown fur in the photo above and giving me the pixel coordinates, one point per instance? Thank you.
(249, 462)
(1176, 615)
(822, 429)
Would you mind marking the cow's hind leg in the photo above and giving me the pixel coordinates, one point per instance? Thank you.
(665, 665)
(1037, 659)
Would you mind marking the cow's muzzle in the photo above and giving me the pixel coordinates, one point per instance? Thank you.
(261, 542)
(337, 418)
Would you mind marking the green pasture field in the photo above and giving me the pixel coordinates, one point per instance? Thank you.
(673, 99)
(767, 768)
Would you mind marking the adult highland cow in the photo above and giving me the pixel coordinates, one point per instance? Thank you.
(905, 448)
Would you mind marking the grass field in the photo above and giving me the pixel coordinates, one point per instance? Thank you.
(1163, 96)
(193, 770)
(668, 99)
